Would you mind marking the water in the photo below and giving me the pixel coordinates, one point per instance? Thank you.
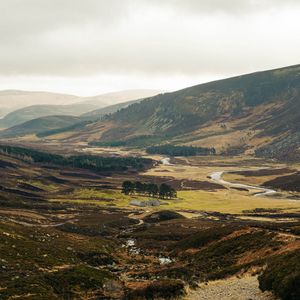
(165, 260)
(217, 177)
(166, 161)
(130, 243)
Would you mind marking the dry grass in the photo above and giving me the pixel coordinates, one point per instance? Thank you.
(225, 201)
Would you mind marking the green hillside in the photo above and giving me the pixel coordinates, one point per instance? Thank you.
(39, 125)
(37, 111)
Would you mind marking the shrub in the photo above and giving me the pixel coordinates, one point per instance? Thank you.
(282, 276)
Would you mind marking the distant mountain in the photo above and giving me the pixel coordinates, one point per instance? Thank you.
(257, 112)
(39, 125)
(11, 100)
(22, 115)
(85, 105)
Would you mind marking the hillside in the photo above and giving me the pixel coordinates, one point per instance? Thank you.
(85, 105)
(94, 114)
(39, 125)
(255, 112)
(22, 115)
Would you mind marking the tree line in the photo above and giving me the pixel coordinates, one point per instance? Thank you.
(172, 150)
(90, 162)
(163, 191)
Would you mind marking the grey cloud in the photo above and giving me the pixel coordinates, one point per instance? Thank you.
(224, 6)
(20, 18)
(83, 37)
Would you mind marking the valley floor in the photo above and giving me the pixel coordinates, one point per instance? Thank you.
(69, 233)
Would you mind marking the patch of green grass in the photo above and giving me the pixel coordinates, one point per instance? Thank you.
(101, 197)
(41, 185)
(226, 201)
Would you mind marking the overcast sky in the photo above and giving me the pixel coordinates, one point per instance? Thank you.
(88, 47)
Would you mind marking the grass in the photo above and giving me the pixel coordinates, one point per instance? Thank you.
(77, 281)
(226, 202)
(46, 187)
(222, 256)
(223, 201)
(30, 257)
(252, 180)
(282, 276)
(101, 197)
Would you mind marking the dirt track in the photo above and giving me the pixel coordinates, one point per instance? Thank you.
(234, 288)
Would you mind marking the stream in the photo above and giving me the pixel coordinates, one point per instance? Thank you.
(217, 177)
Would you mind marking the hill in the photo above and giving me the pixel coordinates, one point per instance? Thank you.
(22, 115)
(39, 125)
(97, 113)
(257, 112)
(84, 105)
(11, 100)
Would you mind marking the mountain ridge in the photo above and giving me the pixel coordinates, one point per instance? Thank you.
(256, 113)
(240, 114)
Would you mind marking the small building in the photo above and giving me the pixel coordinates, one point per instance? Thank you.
(141, 203)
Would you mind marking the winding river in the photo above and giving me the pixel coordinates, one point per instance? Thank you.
(217, 177)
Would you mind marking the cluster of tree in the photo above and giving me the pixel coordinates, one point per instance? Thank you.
(91, 162)
(180, 150)
(163, 191)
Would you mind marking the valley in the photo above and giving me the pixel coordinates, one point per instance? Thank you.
(192, 194)
(69, 232)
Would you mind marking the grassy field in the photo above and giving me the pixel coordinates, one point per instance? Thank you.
(100, 197)
(223, 201)
(197, 169)
(228, 202)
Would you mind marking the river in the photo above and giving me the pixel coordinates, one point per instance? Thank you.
(217, 177)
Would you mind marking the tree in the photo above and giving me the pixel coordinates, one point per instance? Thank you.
(139, 187)
(127, 187)
(164, 189)
(152, 189)
(172, 193)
